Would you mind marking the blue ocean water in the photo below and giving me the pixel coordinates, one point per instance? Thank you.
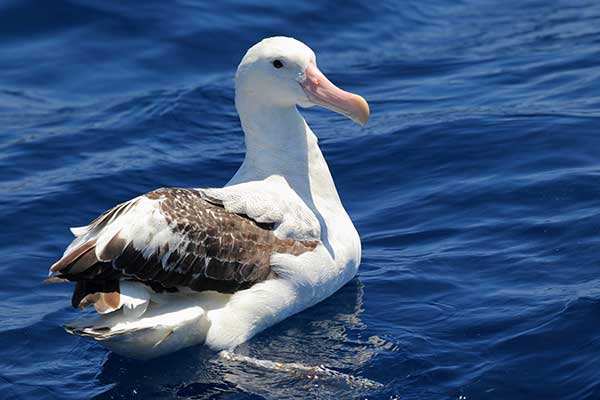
(474, 188)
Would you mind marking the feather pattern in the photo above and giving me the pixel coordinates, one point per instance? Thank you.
(173, 238)
(169, 252)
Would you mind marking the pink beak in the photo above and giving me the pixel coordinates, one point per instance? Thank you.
(322, 92)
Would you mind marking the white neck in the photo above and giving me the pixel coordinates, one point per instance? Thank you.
(279, 142)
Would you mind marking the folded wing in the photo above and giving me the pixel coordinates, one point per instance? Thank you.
(169, 239)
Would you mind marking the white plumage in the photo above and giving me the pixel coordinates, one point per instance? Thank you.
(284, 181)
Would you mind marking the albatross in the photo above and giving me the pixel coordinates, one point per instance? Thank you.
(178, 267)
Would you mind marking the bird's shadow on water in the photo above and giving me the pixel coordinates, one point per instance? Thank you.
(326, 336)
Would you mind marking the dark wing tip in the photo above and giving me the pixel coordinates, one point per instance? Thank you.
(74, 256)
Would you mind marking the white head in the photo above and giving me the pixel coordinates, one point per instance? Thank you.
(282, 72)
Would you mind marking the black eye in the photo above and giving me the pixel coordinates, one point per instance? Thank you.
(277, 64)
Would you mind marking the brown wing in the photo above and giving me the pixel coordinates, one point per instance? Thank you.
(172, 238)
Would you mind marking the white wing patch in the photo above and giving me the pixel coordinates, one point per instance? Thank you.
(140, 222)
(270, 201)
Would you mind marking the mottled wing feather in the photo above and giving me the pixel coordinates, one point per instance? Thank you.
(176, 238)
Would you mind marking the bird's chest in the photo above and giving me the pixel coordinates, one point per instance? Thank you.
(338, 234)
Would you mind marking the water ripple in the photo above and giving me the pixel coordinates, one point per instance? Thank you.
(473, 188)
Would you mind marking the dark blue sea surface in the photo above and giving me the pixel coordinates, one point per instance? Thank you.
(475, 188)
